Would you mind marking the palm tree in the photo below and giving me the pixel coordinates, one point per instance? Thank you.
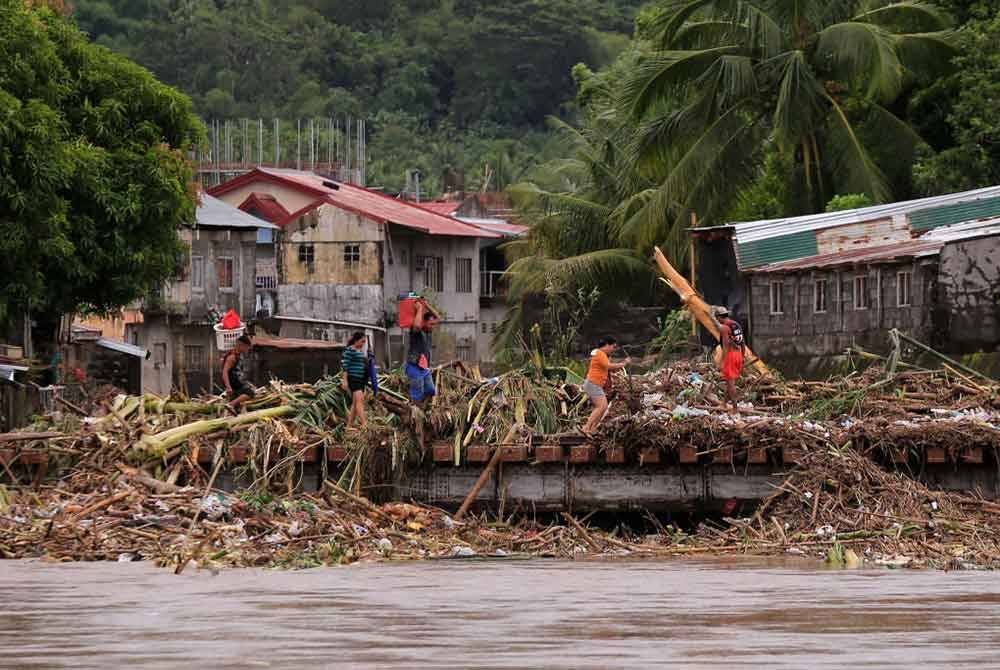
(733, 79)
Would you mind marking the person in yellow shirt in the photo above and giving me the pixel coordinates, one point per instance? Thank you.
(600, 368)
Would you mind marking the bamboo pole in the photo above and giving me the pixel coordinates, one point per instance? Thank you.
(487, 471)
(698, 308)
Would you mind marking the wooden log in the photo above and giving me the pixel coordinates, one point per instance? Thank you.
(485, 474)
(24, 437)
(698, 308)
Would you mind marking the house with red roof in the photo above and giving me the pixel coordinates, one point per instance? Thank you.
(344, 256)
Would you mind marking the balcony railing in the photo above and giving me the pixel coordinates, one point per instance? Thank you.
(491, 284)
(267, 283)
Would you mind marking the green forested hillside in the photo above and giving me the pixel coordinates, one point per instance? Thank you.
(446, 84)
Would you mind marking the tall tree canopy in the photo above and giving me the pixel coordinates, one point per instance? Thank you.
(475, 74)
(94, 180)
(732, 80)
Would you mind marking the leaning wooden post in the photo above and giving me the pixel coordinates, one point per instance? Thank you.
(487, 471)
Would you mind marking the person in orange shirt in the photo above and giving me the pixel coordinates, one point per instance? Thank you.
(600, 367)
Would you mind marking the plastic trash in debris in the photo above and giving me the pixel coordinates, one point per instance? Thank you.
(683, 411)
(745, 406)
(127, 557)
(650, 399)
(448, 522)
(462, 552)
(695, 379)
(384, 545)
(499, 552)
(214, 507)
(825, 531)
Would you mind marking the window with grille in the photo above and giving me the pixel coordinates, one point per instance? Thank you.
(777, 297)
(485, 326)
(224, 267)
(197, 273)
(194, 357)
(265, 236)
(904, 289)
(352, 255)
(463, 275)
(307, 254)
(819, 296)
(861, 297)
(464, 351)
(433, 267)
(160, 354)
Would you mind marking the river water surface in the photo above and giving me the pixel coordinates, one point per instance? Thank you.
(503, 614)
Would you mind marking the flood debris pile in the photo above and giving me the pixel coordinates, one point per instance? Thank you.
(132, 519)
(841, 505)
(883, 415)
(139, 478)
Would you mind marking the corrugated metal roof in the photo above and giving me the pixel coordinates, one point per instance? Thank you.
(964, 231)
(500, 226)
(213, 213)
(928, 219)
(292, 343)
(371, 204)
(264, 206)
(755, 253)
(762, 242)
(928, 244)
(442, 207)
(122, 347)
(866, 256)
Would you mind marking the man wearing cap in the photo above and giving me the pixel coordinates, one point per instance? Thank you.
(733, 342)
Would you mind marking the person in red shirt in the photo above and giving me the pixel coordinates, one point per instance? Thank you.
(600, 367)
(733, 342)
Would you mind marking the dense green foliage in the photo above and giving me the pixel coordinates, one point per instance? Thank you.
(734, 110)
(448, 85)
(93, 178)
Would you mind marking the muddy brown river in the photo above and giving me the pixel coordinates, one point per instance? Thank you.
(503, 614)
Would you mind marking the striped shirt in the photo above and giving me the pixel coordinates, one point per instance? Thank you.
(355, 363)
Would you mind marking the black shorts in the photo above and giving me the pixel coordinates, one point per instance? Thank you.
(243, 389)
(356, 383)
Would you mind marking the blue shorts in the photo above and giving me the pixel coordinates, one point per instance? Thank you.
(421, 382)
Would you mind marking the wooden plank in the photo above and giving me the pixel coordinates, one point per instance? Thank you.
(936, 455)
(583, 453)
(687, 455)
(649, 456)
(336, 454)
(724, 455)
(757, 456)
(614, 455)
(514, 453)
(478, 453)
(443, 453)
(790, 455)
(972, 455)
(549, 453)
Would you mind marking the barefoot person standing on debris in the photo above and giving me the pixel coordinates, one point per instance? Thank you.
(418, 356)
(355, 366)
(233, 376)
(733, 342)
(600, 369)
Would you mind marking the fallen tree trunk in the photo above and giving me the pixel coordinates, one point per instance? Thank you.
(698, 308)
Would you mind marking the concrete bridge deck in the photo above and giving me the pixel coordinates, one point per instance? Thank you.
(579, 477)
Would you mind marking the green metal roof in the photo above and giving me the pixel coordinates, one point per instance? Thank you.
(927, 219)
(774, 249)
